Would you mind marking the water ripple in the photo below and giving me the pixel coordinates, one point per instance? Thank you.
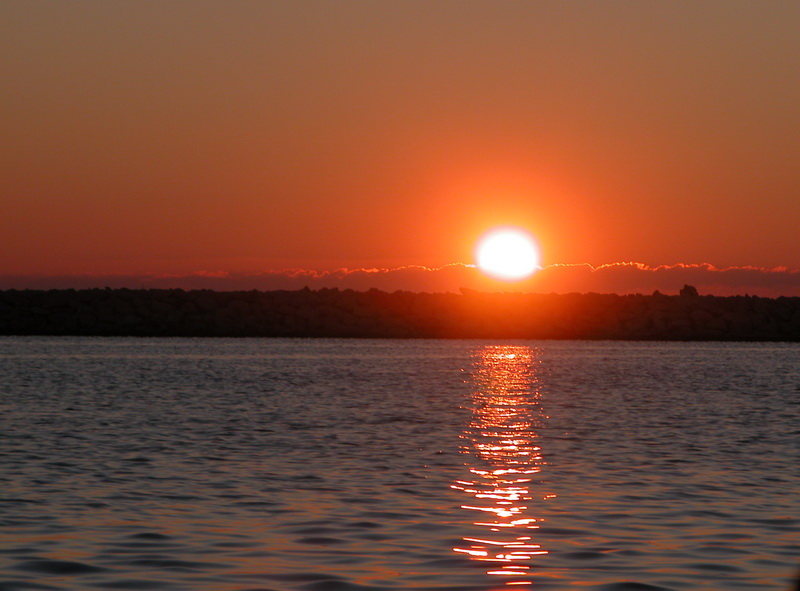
(292, 465)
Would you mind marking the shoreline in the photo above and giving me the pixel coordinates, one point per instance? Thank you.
(334, 313)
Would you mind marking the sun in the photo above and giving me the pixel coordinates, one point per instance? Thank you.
(507, 253)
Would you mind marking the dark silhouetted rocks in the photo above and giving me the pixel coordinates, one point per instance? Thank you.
(689, 291)
(374, 313)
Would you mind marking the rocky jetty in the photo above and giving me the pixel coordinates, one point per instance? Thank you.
(374, 313)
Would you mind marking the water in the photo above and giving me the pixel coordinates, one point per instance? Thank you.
(328, 465)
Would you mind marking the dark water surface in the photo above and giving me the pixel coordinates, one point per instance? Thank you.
(328, 465)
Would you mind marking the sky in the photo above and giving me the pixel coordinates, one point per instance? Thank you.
(265, 144)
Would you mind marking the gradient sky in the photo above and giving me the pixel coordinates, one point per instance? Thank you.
(151, 137)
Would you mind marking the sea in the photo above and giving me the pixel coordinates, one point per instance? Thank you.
(346, 465)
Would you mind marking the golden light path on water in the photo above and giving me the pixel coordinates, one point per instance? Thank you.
(502, 442)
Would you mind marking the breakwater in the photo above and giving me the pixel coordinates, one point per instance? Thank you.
(374, 313)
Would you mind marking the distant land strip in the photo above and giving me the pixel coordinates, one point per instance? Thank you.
(377, 314)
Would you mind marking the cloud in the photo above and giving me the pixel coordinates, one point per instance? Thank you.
(622, 278)
(633, 277)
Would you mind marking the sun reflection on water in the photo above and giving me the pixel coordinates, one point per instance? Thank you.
(502, 440)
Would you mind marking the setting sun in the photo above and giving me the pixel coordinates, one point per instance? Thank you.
(507, 253)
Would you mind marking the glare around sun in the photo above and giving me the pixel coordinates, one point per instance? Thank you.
(507, 253)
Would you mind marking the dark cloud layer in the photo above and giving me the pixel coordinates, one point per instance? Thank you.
(619, 278)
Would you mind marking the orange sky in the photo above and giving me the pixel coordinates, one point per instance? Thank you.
(147, 138)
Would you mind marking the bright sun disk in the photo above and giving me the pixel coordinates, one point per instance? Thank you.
(507, 253)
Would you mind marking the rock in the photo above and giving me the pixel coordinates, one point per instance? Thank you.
(689, 291)
(334, 313)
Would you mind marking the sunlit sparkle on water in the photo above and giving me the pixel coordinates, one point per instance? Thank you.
(381, 465)
(501, 441)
